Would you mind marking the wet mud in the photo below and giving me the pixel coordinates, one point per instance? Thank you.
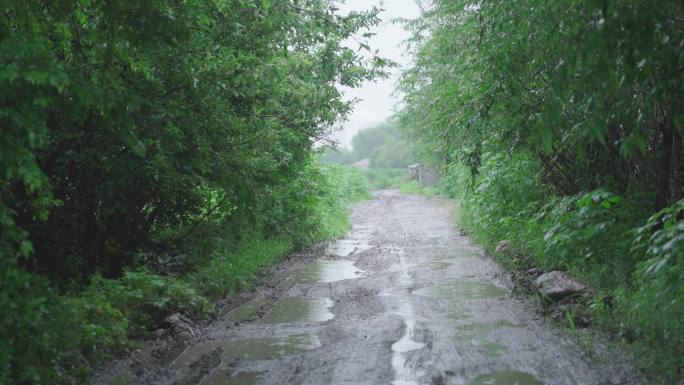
(403, 299)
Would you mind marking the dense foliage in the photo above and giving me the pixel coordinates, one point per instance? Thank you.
(559, 126)
(144, 140)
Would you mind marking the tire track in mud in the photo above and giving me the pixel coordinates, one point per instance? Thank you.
(403, 299)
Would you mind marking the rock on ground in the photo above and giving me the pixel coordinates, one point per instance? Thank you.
(556, 285)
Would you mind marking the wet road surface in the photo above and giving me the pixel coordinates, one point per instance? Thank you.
(403, 300)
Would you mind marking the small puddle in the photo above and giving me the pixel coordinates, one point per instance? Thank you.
(508, 377)
(327, 271)
(245, 311)
(440, 265)
(492, 349)
(248, 349)
(294, 309)
(475, 334)
(346, 247)
(462, 290)
(486, 328)
(463, 253)
(481, 344)
(458, 315)
(405, 375)
(225, 376)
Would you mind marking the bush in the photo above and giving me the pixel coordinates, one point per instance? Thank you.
(635, 262)
(385, 178)
(51, 338)
(652, 312)
(145, 298)
(47, 338)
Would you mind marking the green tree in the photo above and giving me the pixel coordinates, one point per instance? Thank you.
(559, 127)
(120, 116)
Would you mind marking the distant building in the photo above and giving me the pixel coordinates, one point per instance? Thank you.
(362, 164)
(425, 175)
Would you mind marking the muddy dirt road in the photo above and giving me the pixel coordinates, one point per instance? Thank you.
(403, 299)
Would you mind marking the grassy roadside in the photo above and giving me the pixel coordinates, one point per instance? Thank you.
(632, 258)
(59, 335)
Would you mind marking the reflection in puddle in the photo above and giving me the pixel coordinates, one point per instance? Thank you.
(463, 253)
(248, 349)
(486, 328)
(440, 265)
(492, 349)
(458, 310)
(508, 377)
(295, 309)
(475, 334)
(462, 290)
(225, 376)
(455, 315)
(327, 271)
(404, 374)
(245, 311)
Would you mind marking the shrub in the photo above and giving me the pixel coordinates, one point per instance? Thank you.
(145, 298)
(653, 311)
(48, 338)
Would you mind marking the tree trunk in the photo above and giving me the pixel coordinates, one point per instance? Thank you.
(676, 168)
(663, 163)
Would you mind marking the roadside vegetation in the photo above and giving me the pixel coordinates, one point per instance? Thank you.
(155, 157)
(559, 128)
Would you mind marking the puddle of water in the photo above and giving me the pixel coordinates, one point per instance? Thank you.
(327, 271)
(475, 334)
(508, 377)
(294, 309)
(457, 311)
(245, 311)
(486, 328)
(440, 265)
(345, 247)
(463, 253)
(248, 349)
(405, 374)
(462, 290)
(492, 349)
(224, 376)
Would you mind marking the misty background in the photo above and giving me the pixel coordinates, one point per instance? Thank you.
(377, 101)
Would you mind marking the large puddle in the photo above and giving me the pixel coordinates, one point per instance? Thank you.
(294, 309)
(462, 290)
(508, 377)
(245, 311)
(248, 349)
(327, 271)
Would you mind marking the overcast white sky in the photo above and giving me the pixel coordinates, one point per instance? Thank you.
(377, 100)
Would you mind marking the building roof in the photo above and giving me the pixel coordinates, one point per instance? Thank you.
(363, 163)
